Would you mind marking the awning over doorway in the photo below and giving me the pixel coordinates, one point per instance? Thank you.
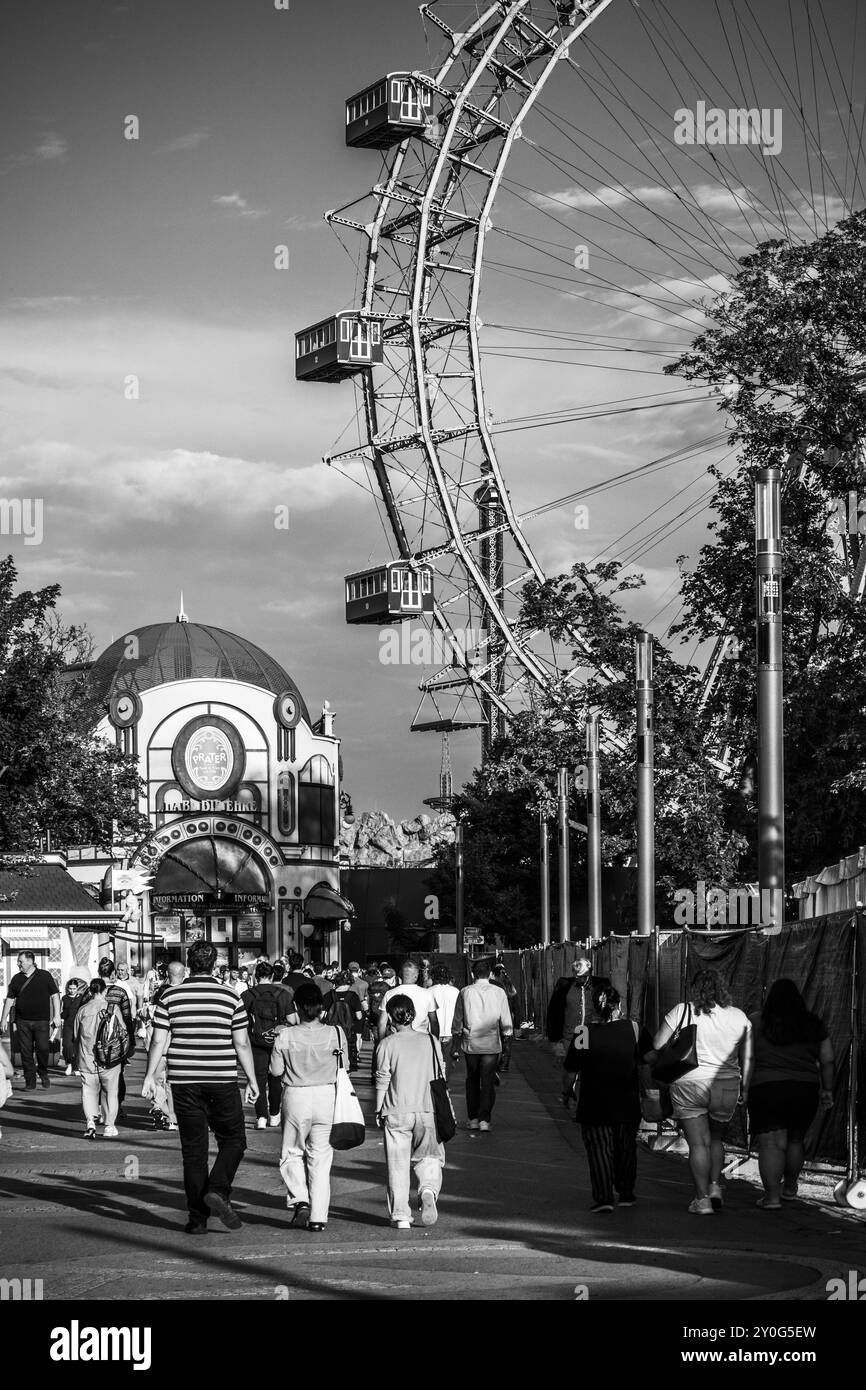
(324, 903)
(218, 869)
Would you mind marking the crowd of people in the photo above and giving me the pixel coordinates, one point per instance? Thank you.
(290, 1026)
(777, 1066)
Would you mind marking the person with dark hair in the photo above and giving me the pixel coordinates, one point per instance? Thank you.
(793, 1075)
(345, 1010)
(36, 999)
(305, 1060)
(75, 995)
(480, 1028)
(406, 1062)
(444, 994)
(361, 988)
(294, 976)
(203, 1028)
(98, 1084)
(269, 1008)
(606, 1055)
(705, 1098)
(116, 995)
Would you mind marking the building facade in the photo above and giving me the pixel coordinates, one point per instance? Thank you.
(242, 793)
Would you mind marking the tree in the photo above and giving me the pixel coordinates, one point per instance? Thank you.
(56, 777)
(787, 351)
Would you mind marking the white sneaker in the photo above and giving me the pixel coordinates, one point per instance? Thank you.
(275, 1121)
(69, 1070)
(110, 1132)
(701, 1206)
(485, 1126)
(403, 1225)
(473, 1124)
(429, 1214)
(172, 1124)
(261, 1122)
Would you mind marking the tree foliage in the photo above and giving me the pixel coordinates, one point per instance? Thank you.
(55, 776)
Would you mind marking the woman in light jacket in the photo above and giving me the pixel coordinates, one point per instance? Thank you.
(406, 1063)
(305, 1057)
(99, 1085)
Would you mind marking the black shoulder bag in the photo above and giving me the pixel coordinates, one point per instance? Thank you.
(446, 1125)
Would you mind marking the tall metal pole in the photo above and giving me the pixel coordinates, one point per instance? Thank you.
(593, 829)
(544, 836)
(771, 747)
(564, 871)
(458, 887)
(646, 849)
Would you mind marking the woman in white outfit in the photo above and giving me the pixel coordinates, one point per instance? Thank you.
(305, 1056)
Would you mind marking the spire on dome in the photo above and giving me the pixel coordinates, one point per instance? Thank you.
(181, 617)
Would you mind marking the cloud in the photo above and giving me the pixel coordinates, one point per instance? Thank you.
(234, 202)
(585, 200)
(190, 141)
(51, 149)
(298, 223)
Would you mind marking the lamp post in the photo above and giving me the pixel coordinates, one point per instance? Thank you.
(563, 841)
(544, 838)
(771, 749)
(458, 886)
(593, 829)
(646, 867)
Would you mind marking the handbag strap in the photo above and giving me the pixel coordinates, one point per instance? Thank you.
(338, 1053)
(438, 1070)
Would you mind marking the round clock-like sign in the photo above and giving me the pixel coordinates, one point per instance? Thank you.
(125, 709)
(208, 758)
(287, 710)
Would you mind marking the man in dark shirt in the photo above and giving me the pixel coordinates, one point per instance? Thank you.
(36, 998)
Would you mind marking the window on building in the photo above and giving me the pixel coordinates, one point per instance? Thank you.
(317, 803)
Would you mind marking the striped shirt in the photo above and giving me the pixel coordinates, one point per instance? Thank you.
(202, 1018)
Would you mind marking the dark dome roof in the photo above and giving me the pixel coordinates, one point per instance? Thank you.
(182, 651)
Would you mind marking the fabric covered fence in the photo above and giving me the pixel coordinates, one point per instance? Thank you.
(818, 955)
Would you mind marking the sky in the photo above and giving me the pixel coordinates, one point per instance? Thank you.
(147, 338)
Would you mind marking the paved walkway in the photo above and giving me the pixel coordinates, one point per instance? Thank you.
(104, 1220)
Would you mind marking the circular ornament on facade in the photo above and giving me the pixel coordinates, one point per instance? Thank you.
(125, 709)
(287, 710)
(208, 758)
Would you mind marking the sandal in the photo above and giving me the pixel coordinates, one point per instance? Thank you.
(767, 1205)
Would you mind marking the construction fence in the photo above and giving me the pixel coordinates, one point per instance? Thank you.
(825, 957)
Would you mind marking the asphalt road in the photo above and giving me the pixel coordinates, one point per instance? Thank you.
(104, 1220)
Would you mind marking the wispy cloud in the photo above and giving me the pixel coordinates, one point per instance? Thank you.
(299, 223)
(190, 141)
(51, 149)
(233, 202)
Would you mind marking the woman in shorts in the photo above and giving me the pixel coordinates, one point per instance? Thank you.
(793, 1075)
(704, 1100)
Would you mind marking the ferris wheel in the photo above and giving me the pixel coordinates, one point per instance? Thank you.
(594, 94)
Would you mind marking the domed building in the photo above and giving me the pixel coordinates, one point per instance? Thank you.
(242, 792)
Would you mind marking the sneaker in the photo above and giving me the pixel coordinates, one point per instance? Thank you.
(196, 1228)
(110, 1132)
(701, 1206)
(628, 1201)
(716, 1198)
(69, 1070)
(473, 1124)
(275, 1121)
(429, 1214)
(172, 1124)
(485, 1126)
(602, 1206)
(223, 1210)
(402, 1225)
(261, 1122)
(90, 1132)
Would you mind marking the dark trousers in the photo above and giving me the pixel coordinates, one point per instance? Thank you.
(200, 1109)
(34, 1036)
(612, 1154)
(270, 1087)
(481, 1070)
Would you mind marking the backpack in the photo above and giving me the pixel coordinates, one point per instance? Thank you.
(376, 993)
(340, 1014)
(267, 1013)
(111, 1046)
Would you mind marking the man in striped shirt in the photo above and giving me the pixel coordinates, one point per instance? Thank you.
(203, 1027)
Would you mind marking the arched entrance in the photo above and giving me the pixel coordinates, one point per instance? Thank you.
(216, 889)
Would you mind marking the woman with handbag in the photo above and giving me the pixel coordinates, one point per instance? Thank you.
(607, 1055)
(99, 1084)
(306, 1057)
(704, 1050)
(406, 1063)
